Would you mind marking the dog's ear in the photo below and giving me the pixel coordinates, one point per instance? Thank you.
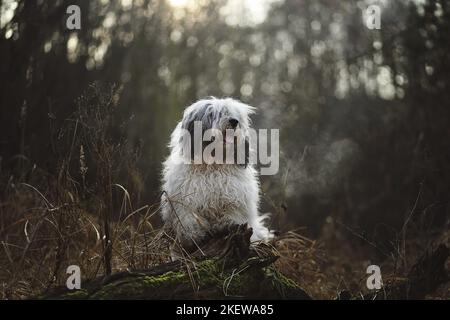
(196, 113)
(199, 113)
(188, 121)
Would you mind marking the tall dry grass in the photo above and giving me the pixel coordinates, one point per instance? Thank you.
(87, 211)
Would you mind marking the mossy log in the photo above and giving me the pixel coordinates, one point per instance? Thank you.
(227, 266)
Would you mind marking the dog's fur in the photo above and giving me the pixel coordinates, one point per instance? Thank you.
(198, 198)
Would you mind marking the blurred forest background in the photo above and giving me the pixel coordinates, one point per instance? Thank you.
(364, 115)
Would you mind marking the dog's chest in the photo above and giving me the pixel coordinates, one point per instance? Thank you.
(217, 192)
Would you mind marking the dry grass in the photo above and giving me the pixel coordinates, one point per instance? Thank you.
(303, 260)
(88, 212)
(81, 213)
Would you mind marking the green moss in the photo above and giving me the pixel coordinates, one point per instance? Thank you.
(165, 278)
(286, 287)
(77, 294)
(212, 281)
(282, 279)
(138, 286)
(208, 273)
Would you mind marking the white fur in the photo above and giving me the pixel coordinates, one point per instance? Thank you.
(200, 197)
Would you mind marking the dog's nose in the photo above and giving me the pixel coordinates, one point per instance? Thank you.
(233, 122)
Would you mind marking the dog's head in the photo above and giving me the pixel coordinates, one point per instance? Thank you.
(227, 118)
(220, 114)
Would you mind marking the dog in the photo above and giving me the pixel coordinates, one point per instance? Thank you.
(199, 195)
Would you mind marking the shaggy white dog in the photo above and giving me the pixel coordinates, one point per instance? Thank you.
(200, 197)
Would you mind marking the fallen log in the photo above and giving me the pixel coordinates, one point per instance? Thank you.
(227, 266)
